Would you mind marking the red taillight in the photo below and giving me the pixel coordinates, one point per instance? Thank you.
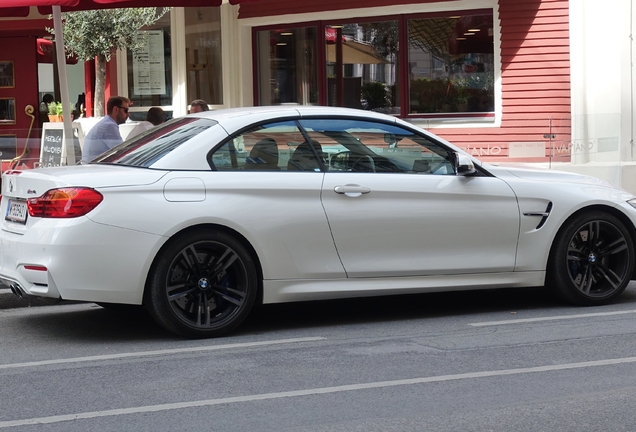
(64, 203)
(35, 267)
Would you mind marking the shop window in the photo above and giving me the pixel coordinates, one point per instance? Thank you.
(8, 146)
(287, 66)
(150, 69)
(361, 66)
(7, 79)
(203, 54)
(451, 64)
(446, 68)
(7, 110)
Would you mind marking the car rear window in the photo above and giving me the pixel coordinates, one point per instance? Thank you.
(149, 147)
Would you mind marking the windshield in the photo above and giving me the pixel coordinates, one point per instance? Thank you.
(149, 147)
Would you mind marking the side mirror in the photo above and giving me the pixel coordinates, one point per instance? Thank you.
(463, 165)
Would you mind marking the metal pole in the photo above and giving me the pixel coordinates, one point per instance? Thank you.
(60, 58)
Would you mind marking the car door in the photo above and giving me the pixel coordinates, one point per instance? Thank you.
(396, 207)
(264, 187)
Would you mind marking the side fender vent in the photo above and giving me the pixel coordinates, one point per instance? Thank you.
(544, 215)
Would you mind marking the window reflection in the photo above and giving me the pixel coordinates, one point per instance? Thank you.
(361, 66)
(448, 68)
(7, 110)
(6, 74)
(203, 54)
(8, 146)
(287, 66)
(451, 64)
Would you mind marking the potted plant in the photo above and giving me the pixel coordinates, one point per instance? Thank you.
(55, 112)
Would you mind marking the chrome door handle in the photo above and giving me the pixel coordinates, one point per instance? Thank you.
(351, 190)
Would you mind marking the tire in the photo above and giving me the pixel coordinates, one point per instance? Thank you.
(592, 259)
(202, 284)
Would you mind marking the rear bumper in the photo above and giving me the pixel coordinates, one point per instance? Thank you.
(78, 259)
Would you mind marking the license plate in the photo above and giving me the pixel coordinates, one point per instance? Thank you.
(17, 211)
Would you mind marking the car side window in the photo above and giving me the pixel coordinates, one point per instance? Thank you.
(367, 146)
(269, 147)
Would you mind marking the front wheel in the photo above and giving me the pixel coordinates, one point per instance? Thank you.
(592, 259)
(202, 284)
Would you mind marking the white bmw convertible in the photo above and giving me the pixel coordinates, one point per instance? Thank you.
(200, 218)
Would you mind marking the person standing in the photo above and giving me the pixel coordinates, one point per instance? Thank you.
(155, 116)
(105, 134)
(44, 108)
(198, 105)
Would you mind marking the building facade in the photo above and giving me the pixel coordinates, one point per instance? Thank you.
(542, 82)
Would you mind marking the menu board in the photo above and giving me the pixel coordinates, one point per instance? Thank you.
(52, 147)
(149, 71)
(51, 150)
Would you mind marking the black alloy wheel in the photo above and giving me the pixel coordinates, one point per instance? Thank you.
(203, 284)
(592, 259)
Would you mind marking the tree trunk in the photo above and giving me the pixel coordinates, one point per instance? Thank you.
(100, 86)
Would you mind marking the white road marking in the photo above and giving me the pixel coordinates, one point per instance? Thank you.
(310, 392)
(159, 352)
(552, 318)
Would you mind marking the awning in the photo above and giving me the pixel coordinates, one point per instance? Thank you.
(20, 8)
(45, 52)
(355, 53)
(112, 4)
(14, 12)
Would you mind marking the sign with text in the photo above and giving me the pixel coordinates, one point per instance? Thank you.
(526, 149)
(52, 147)
(149, 72)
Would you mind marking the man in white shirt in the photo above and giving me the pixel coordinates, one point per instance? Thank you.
(105, 134)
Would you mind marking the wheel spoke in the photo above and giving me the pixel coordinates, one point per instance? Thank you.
(593, 233)
(576, 254)
(617, 246)
(233, 296)
(586, 280)
(203, 310)
(224, 262)
(609, 275)
(175, 292)
(190, 261)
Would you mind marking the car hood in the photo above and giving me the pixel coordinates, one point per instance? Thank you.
(551, 184)
(545, 174)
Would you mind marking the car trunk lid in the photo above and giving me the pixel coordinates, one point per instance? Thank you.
(18, 186)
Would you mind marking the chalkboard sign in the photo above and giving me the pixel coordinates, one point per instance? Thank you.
(52, 147)
(51, 151)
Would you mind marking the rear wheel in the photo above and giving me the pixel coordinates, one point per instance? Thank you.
(203, 284)
(592, 259)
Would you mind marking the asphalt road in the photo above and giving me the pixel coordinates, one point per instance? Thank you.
(502, 360)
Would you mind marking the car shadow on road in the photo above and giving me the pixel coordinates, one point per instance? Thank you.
(96, 324)
(407, 307)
